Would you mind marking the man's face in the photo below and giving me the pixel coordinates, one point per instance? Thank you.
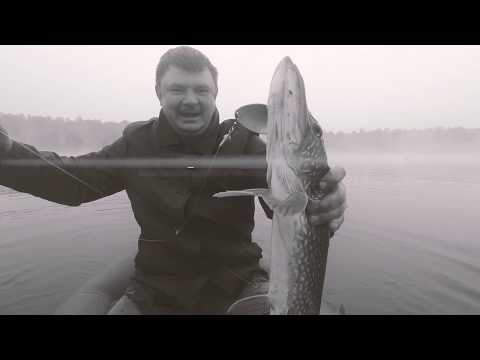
(187, 99)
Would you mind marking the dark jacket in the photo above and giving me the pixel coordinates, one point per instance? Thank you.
(184, 230)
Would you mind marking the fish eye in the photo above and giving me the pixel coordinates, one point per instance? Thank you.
(317, 130)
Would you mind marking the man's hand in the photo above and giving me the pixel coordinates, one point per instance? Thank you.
(330, 210)
(5, 142)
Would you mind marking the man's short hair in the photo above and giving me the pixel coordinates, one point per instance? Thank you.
(185, 58)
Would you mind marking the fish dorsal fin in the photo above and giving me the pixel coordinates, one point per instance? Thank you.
(293, 204)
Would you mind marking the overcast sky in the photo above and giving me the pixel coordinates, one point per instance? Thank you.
(348, 87)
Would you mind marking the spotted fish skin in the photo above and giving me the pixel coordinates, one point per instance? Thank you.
(296, 161)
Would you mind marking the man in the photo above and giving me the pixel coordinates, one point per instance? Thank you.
(195, 252)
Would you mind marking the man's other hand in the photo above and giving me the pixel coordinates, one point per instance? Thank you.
(331, 208)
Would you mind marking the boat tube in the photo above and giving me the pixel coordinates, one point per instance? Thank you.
(104, 293)
(99, 294)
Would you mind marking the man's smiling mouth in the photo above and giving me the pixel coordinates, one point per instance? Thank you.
(190, 116)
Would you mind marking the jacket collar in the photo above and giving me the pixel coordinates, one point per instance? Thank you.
(202, 144)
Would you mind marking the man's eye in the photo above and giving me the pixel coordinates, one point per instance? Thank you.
(176, 90)
(203, 91)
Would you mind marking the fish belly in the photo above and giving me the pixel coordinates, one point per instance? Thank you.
(297, 271)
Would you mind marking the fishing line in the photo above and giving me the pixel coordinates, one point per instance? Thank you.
(226, 137)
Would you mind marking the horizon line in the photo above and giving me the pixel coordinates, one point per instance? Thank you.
(79, 118)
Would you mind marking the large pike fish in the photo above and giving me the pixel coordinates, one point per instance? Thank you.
(296, 161)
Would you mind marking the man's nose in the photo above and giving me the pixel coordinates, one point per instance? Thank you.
(190, 97)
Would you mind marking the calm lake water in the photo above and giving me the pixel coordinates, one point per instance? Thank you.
(410, 243)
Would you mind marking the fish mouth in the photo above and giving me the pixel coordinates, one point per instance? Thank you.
(288, 113)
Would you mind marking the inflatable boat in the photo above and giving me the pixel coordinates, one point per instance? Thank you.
(103, 294)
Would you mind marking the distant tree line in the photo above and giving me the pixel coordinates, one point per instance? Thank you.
(81, 136)
(433, 140)
(60, 134)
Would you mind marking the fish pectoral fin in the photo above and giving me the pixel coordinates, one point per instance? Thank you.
(246, 192)
(293, 204)
(296, 202)
(251, 305)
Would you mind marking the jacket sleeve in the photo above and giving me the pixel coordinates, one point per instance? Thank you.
(67, 180)
(256, 148)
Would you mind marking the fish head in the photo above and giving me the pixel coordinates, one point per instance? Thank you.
(293, 135)
(287, 107)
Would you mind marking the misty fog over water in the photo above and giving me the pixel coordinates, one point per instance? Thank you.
(409, 245)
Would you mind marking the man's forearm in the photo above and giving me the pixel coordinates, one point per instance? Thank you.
(50, 176)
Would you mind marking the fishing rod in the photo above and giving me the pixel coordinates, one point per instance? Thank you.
(192, 162)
